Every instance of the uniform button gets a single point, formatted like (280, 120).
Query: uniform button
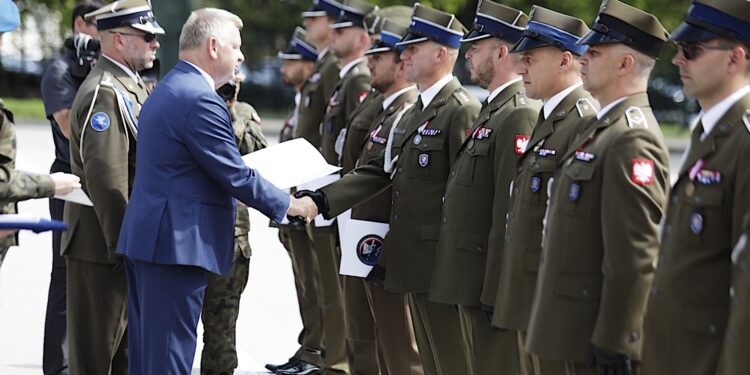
(443, 198)
(445, 219)
(520, 169)
(515, 190)
(395, 217)
(400, 170)
(634, 336)
(653, 291)
(675, 199)
(507, 238)
(712, 328)
(397, 193)
(479, 249)
(585, 292)
(698, 199)
(453, 174)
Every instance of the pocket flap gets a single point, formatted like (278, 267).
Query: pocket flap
(481, 148)
(429, 144)
(580, 171)
(471, 241)
(585, 287)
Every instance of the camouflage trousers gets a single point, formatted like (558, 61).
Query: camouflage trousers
(221, 307)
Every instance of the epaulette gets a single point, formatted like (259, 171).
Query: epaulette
(462, 96)
(746, 120)
(584, 107)
(636, 117)
(521, 99)
(106, 80)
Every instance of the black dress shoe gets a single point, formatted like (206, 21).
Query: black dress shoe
(289, 364)
(301, 368)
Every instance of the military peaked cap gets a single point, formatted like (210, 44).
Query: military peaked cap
(299, 48)
(549, 28)
(498, 21)
(320, 8)
(352, 13)
(432, 24)
(712, 19)
(134, 13)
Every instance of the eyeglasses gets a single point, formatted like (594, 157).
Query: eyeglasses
(147, 37)
(692, 51)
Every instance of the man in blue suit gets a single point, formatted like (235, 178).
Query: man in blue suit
(180, 219)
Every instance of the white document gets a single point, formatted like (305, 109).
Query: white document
(315, 185)
(361, 244)
(77, 196)
(289, 164)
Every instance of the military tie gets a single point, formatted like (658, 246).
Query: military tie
(419, 105)
(695, 139)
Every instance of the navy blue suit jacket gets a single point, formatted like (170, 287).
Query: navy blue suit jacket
(188, 168)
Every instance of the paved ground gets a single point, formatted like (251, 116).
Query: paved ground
(269, 320)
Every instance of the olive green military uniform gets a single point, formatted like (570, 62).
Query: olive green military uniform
(526, 209)
(103, 131)
(689, 304)
(221, 304)
(359, 126)
(316, 263)
(426, 143)
(15, 185)
(734, 358)
(600, 242)
(475, 205)
(394, 333)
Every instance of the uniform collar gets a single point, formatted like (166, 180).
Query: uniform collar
(500, 89)
(710, 117)
(392, 98)
(552, 103)
(130, 73)
(609, 106)
(430, 93)
(205, 75)
(349, 66)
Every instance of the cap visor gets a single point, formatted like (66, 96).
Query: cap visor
(289, 56)
(687, 32)
(473, 36)
(377, 50)
(527, 43)
(313, 13)
(151, 27)
(411, 39)
(341, 25)
(594, 37)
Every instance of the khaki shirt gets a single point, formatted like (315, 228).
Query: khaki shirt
(601, 237)
(528, 204)
(689, 303)
(427, 144)
(103, 132)
(476, 199)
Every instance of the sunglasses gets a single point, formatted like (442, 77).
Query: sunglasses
(147, 37)
(692, 51)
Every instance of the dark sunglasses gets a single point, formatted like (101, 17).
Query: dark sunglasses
(147, 37)
(692, 51)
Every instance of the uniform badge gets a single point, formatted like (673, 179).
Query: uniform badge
(369, 248)
(535, 184)
(481, 133)
(635, 116)
(585, 156)
(520, 144)
(361, 96)
(417, 139)
(424, 160)
(544, 152)
(100, 121)
(696, 169)
(430, 132)
(707, 177)
(696, 223)
(642, 171)
(574, 191)
(315, 78)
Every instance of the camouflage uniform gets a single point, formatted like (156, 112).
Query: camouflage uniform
(14, 185)
(221, 304)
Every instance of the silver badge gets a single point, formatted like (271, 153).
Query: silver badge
(424, 159)
(417, 139)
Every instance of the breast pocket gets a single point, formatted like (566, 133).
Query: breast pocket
(475, 164)
(534, 179)
(311, 89)
(425, 160)
(579, 193)
(704, 219)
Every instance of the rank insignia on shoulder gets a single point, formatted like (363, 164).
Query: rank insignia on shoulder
(544, 152)
(707, 177)
(424, 160)
(746, 120)
(636, 117)
(462, 97)
(584, 107)
(520, 144)
(361, 96)
(100, 121)
(642, 171)
(585, 156)
(315, 78)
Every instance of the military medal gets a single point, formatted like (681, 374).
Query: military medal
(417, 139)
(424, 160)
(696, 223)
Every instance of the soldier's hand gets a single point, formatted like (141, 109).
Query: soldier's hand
(304, 208)
(321, 202)
(611, 363)
(65, 183)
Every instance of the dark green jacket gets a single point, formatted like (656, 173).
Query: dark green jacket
(358, 129)
(314, 96)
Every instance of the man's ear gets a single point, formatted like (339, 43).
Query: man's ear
(627, 63)
(213, 47)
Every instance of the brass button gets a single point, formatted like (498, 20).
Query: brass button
(690, 189)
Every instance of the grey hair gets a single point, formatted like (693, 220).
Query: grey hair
(205, 23)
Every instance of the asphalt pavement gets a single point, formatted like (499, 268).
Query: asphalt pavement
(269, 318)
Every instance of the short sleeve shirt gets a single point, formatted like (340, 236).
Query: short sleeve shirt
(59, 88)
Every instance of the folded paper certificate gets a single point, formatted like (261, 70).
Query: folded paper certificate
(36, 224)
(76, 196)
(361, 244)
(290, 163)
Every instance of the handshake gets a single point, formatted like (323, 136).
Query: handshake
(306, 204)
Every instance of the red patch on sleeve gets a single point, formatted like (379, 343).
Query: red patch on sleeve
(361, 96)
(642, 171)
(520, 144)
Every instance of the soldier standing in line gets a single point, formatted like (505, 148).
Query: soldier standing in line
(476, 195)
(416, 164)
(297, 60)
(221, 301)
(58, 88)
(734, 359)
(600, 239)
(689, 302)
(15, 185)
(103, 132)
(550, 68)
(314, 96)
